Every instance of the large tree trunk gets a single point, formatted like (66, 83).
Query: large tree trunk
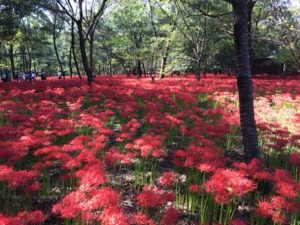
(245, 88)
(85, 62)
(12, 62)
(250, 6)
(73, 50)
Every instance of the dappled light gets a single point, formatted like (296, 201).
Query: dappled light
(146, 153)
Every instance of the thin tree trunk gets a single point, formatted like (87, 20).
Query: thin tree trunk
(23, 58)
(83, 53)
(70, 62)
(198, 69)
(244, 81)
(144, 69)
(164, 60)
(55, 48)
(12, 62)
(73, 50)
(139, 68)
(110, 68)
(29, 56)
(92, 50)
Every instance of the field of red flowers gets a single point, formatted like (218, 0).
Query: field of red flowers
(128, 151)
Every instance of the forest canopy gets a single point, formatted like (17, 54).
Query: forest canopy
(129, 35)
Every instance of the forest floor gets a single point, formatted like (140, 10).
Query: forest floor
(132, 151)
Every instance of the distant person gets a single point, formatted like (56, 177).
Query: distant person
(28, 76)
(5, 76)
(33, 75)
(59, 75)
(151, 73)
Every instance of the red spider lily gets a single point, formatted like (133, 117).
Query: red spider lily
(20, 178)
(35, 217)
(113, 157)
(277, 209)
(295, 159)
(204, 158)
(23, 218)
(194, 188)
(285, 185)
(153, 197)
(103, 198)
(167, 179)
(226, 183)
(171, 217)
(253, 169)
(91, 176)
(128, 130)
(150, 145)
(69, 207)
(12, 151)
(113, 216)
(238, 222)
(5, 172)
(5, 220)
(142, 219)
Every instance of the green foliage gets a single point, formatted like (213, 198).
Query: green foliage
(144, 31)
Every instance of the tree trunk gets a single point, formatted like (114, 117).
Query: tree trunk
(92, 50)
(110, 68)
(85, 62)
(12, 62)
(73, 50)
(29, 56)
(70, 62)
(198, 69)
(22, 50)
(55, 48)
(250, 6)
(144, 69)
(139, 69)
(244, 81)
(164, 61)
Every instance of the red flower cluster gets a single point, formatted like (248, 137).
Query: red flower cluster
(171, 217)
(154, 197)
(167, 179)
(226, 183)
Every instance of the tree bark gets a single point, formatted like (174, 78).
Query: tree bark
(70, 62)
(164, 60)
(73, 50)
(139, 69)
(12, 62)
(244, 81)
(55, 48)
(85, 62)
(92, 50)
(29, 56)
(198, 69)
(250, 6)
(22, 50)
